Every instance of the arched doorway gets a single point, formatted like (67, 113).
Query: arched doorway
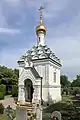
(28, 90)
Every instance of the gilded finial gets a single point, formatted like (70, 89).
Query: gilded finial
(41, 8)
(41, 27)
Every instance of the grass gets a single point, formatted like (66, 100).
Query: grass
(7, 96)
(3, 117)
(68, 98)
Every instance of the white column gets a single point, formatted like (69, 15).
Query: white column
(39, 112)
(21, 94)
(36, 94)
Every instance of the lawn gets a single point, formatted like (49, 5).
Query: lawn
(68, 98)
(3, 117)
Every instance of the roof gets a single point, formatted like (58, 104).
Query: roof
(40, 52)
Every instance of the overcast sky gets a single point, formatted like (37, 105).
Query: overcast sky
(18, 20)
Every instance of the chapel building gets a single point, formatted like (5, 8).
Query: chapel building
(39, 71)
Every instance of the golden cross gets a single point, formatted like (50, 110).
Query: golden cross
(41, 8)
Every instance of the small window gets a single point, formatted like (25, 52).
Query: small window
(54, 76)
(39, 39)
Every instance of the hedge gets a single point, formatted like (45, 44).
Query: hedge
(3, 88)
(1, 108)
(14, 91)
(2, 91)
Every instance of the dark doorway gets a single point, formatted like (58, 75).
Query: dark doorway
(28, 90)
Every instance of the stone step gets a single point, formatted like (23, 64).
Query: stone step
(30, 107)
(29, 110)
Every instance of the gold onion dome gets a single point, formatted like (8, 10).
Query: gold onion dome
(41, 27)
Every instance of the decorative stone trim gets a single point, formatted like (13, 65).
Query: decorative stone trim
(51, 86)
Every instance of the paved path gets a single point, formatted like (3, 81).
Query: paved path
(8, 101)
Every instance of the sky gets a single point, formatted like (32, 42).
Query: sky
(18, 20)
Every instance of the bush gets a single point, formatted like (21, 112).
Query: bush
(1, 96)
(2, 91)
(3, 88)
(76, 90)
(14, 91)
(1, 108)
(56, 107)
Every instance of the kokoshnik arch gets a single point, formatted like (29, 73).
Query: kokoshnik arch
(39, 71)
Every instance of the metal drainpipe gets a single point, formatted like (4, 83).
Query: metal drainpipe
(41, 90)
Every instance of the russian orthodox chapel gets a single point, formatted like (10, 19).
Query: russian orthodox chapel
(39, 71)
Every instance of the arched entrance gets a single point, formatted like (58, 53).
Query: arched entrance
(28, 90)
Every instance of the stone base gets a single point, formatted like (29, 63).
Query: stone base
(21, 113)
(39, 113)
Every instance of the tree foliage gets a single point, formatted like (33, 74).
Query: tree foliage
(76, 90)
(76, 82)
(8, 77)
(64, 81)
(1, 108)
(14, 91)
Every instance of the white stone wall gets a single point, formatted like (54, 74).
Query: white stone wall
(45, 91)
(54, 89)
(55, 94)
(24, 75)
(50, 88)
(46, 70)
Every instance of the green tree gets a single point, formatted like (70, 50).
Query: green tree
(64, 81)
(76, 90)
(8, 77)
(76, 82)
(14, 91)
(3, 89)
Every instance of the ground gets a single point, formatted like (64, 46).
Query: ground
(3, 117)
(8, 101)
(65, 106)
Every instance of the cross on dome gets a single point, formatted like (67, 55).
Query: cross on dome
(41, 8)
(41, 27)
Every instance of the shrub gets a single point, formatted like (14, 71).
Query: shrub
(76, 90)
(1, 108)
(3, 88)
(2, 91)
(14, 91)
(56, 107)
(1, 96)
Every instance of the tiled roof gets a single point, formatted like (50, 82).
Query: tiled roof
(40, 52)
